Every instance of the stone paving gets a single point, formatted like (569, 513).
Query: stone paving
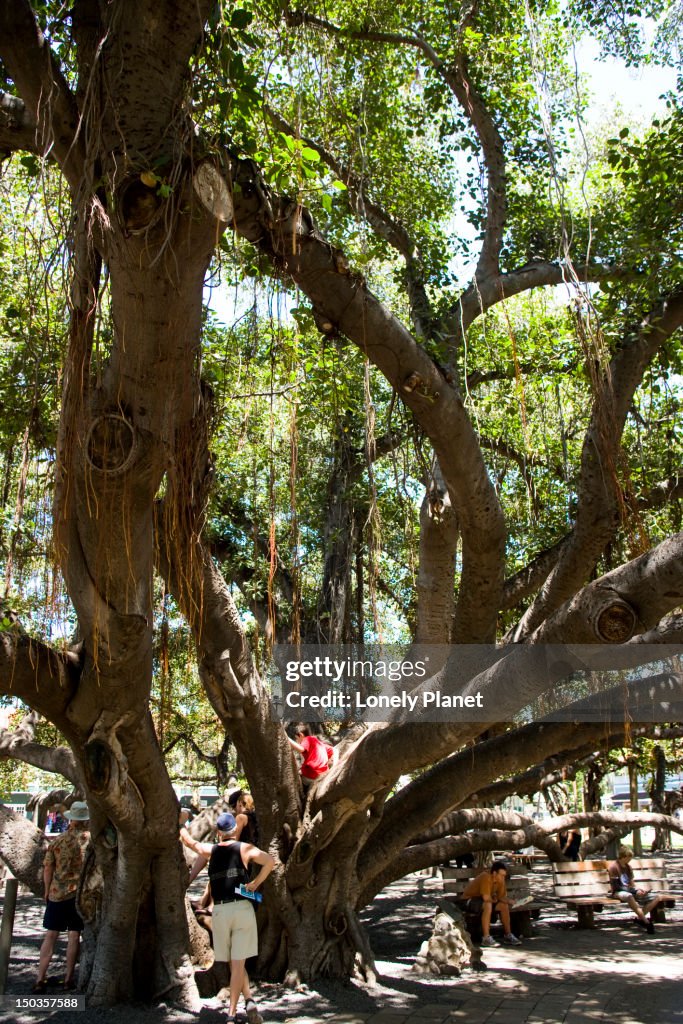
(616, 974)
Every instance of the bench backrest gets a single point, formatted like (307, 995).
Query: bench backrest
(591, 877)
(517, 884)
(581, 878)
(650, 873)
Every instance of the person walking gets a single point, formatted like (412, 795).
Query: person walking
(235, 936)
(61, 875)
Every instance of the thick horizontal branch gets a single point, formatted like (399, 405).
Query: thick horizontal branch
(494, 829)
(626, 602)
(44, 679)
(422, 803)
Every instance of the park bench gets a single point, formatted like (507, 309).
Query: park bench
(584, 886)
(455, 880)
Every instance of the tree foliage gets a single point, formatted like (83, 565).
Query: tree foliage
(440, 404)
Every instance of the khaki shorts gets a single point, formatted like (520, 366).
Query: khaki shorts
(235, 936)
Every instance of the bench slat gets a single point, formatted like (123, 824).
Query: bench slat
(580, 865)
(580, 890)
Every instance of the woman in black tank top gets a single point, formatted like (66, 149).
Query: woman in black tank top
(247, 822)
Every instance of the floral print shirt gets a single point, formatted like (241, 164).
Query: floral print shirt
(66, 854)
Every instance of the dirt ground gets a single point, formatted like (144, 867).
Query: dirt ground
(645, 972)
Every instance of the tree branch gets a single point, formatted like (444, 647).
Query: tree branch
(23, 848)
(483, 294)
(598, 512)
(626, 602)
(390, 228)
(531, 577)
(342, 300)
(504, 830)
(41, 677)
(17, 127)
(458, 80)
(660, 494)
(668, 630)
(18, 745)
(43, 88)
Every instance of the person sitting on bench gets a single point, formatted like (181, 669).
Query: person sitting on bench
(486, 893)
(623, 887)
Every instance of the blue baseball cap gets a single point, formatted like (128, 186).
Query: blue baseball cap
(226, 822)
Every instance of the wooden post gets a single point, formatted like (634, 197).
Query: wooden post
(7, 928)
(633, 797)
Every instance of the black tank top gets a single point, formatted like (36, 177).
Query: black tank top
(250, 832)
(226, 871)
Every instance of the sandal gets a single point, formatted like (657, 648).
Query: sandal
(40, 987)
(253, 1016)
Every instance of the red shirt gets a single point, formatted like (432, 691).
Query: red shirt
(316, 756)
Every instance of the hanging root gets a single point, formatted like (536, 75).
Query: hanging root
(364, 964)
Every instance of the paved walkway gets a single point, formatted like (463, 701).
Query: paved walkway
(616, 974)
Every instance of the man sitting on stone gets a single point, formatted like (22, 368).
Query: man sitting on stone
(487, 893)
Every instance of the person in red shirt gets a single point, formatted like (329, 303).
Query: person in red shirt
(316, 754)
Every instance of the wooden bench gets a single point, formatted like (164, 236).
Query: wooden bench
(517, 885)
(585, 887)
(528, 859)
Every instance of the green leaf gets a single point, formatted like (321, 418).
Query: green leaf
(31, 164)
(241, 18)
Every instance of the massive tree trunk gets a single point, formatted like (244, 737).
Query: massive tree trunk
(151, 199)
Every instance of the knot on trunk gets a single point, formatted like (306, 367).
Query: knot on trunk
(139, 204)
(99, 765)
(615, 622)
(111, 444)
(336, 923)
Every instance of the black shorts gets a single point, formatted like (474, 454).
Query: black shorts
(62, 916)
(475, 905)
